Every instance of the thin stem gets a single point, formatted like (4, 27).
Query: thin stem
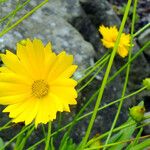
(77, 118)
(16, 10)
(94, 67)
(104, 82)
(21, 19)
(11, 18)
(92, 78)
(116, 143)
(24, 139)
(81, 111)
(5, 126)
(96, 63)
(147, 44)
(126, 78)
(141, 30)
(1, 148)
(115, 130)
(48, 136)
(114, 102)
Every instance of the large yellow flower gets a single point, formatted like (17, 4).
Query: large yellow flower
(109, 39)
(35, 83)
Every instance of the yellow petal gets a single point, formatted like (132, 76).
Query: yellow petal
(12, 99)
(12, 62)
(9, 89)
(29, 113)
(46, 112)
(62, 62)
(48, 49)
(66, 94)
(16, 109)
(14, 78)
(63, 82)
(122, 51)
(68, 72)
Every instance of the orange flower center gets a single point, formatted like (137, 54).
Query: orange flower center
(40, 88)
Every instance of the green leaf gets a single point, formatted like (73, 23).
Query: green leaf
(1, 142)
(135, 142)
(122, 135)
(67, 143)
(142, 145)
(52, 147)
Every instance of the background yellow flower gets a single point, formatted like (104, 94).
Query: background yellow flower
(35, 83)
(110, 36)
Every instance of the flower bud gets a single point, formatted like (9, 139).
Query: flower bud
(96, 143)
(137, 113)
(146, 83)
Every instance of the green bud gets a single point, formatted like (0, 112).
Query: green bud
(96, 143)
(146, 82)
(137, 113)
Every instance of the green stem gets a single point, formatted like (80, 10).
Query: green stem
(126, 78)
(21, 19)
(96, 63)
(104, 82)
(120, 142)
(77, 118)
(24, 139)
(71, 124)
(48, 136)
(5, 126)
(16, 10)
(1, 148)
(147, 44)
(115, 130)
(11, 18)
(112, 103)
(141, 30)
(92, 78)
(95, 67)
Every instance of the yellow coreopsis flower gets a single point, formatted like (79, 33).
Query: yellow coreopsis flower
(35, 83)
(110, 36)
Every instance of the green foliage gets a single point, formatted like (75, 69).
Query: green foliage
(142, 145)
(67, 143)
(135, 142)
(1, 143)
(2, 1)
(121, 11)
(146, 82)
(123, 135)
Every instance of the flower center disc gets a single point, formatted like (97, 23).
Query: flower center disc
(40, 88)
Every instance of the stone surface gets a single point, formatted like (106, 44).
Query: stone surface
(143, 38)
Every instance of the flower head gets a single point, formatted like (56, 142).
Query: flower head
(35, 83)
(110, 36)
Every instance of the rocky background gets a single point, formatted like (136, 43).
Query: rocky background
(73, 25)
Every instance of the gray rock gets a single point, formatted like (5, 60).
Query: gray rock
(55, 29)
(147, 121)
(100, 12)
(143, 38)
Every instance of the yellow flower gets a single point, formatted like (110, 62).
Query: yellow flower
(109, 39)
(35, 83)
